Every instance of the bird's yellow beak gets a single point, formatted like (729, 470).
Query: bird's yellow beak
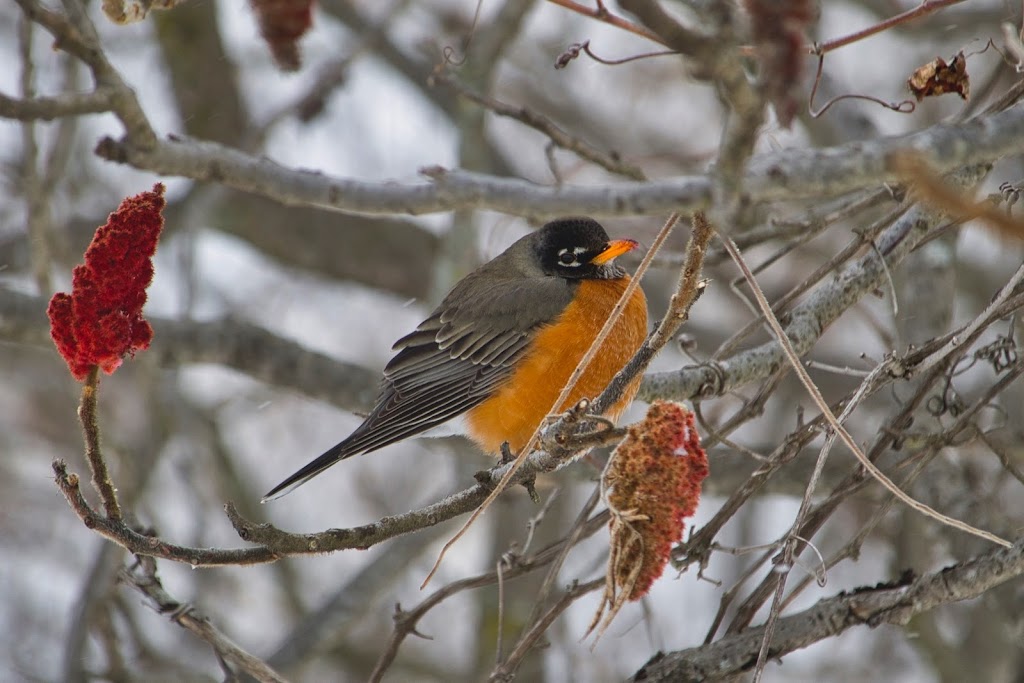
(614, 248)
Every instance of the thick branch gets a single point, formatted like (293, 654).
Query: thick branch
(788, 174)
(892, 604)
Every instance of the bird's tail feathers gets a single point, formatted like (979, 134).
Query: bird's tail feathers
(339, 452)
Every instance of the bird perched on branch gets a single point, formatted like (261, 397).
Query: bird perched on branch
(500, 347)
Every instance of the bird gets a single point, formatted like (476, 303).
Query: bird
(495, 354)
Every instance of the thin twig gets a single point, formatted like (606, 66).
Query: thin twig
(601, 13)
(924, 9)
(573, 537)
(275, 543)
(610, 161)
(573, 51)
(819, 401)
(522, 648)
(891, 436)
(118, 532)
(932, 446)
(809, 319)
(855, 246)
(142, 577)
(903, 107)
(789, 550)
(688, 289)
(982, 319)
(406, 620)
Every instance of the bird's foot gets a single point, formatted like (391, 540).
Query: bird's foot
(576, 422)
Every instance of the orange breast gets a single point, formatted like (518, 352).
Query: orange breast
(526, 397)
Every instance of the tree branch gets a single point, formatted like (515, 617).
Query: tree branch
(142, 577)
(610, 161)
(891, 604)
(601, 13)
(273, 543)
(87, 410)
(785, 175)
(75, 34)
(810, 318)
(406, 621)
(120, 533)
(50, 108)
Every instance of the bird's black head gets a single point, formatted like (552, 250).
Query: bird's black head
(579, 249)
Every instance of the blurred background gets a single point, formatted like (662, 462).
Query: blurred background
(247, 288)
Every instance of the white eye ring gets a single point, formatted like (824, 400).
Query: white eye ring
(571, 261)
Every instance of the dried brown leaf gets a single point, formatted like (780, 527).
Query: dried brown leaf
(938, 78)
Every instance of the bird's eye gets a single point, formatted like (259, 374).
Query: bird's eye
(567, 258)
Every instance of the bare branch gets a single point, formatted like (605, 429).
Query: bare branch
(810, 318)
(601, 13)
(76, 35)
(118, 532)
(784, 175)
(87, 414)
(610, 161)
(892, 604)
(407, 620)
(142, 577)
(274, 543)
(922, 10)
(50, 108)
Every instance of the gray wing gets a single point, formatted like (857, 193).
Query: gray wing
(457, 357)
(450, 363)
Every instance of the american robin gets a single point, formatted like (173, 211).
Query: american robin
(503, 343)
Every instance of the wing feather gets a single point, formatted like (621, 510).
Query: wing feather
(453, 360)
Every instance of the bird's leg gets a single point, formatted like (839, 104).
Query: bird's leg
(508, 456)
(577, 422)
(578, 413)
